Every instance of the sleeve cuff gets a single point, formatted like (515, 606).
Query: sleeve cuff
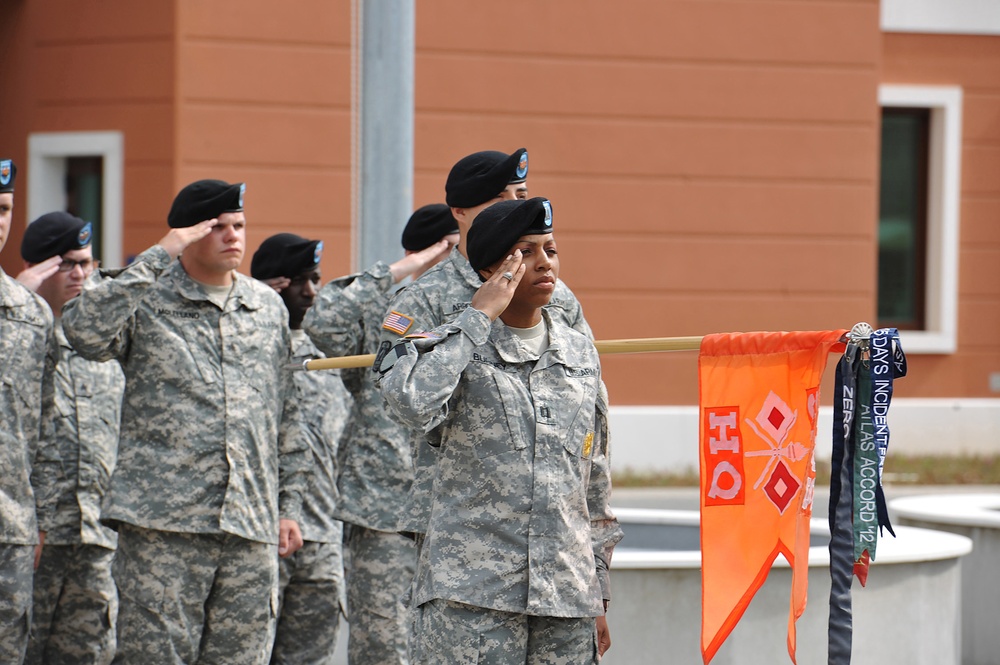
(46, 521)
(156, 257)
(382, 275)
(475, 324)
(290, 508)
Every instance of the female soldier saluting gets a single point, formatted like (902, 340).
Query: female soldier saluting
(514, 568)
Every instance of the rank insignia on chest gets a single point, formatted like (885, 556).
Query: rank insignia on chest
(588, 444)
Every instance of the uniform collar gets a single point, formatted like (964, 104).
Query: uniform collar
(243, 293)
(61, 335)
(303, 347)
(511, 350)
(461, 265)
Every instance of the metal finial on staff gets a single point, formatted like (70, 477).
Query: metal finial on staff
(860, 333)
(858, 338)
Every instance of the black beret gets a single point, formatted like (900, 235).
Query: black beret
(54, 234)
(205, 199)
(476, 179)
(285, 255)
(497, 228)
(427, 225)
(8, 173)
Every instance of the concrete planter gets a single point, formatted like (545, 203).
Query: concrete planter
(910, 612)
(977, 517)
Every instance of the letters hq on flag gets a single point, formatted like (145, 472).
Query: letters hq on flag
(759, 400)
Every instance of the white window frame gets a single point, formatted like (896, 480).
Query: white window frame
(943, 205)
(47, 153)
(946, 17)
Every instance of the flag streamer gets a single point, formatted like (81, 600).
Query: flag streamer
(858, 510)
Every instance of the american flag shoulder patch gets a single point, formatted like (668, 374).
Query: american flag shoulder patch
(397, 323)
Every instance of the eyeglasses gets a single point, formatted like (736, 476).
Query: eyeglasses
(86, 265)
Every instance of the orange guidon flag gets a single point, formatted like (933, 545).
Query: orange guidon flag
(759, 399)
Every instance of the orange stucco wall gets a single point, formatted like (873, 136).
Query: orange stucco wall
(263, 96)
(94, 66)
(713, 164)
(231, 90)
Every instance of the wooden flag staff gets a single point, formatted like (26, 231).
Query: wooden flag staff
(642, 345)
(859, 332)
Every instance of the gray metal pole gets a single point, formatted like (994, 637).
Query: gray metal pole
(385, 199)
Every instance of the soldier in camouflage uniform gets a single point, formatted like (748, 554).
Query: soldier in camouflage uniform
(514, 565)
(27, 363)
(211, 457)
(311, 581)
(75, 600)
(474, 183)
(376, 468)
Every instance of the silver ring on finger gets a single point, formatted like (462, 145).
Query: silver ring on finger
(509, 276)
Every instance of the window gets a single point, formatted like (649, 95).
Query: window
(919, 215)
(81, 173)
(902, 225)
(84, 181)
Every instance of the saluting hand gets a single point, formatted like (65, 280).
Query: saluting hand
(418, 261)
(495, 294)
(32, 277)
(278, 283)
(178, 240)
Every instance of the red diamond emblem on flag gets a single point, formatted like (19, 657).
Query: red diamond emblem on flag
(776, 417)
(782, 486)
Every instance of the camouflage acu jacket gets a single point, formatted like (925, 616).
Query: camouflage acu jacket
(210, 425)
(376, 467)
(78, 449)
(27, 362)
(326, 407)
(440, 295)
(520, 520)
